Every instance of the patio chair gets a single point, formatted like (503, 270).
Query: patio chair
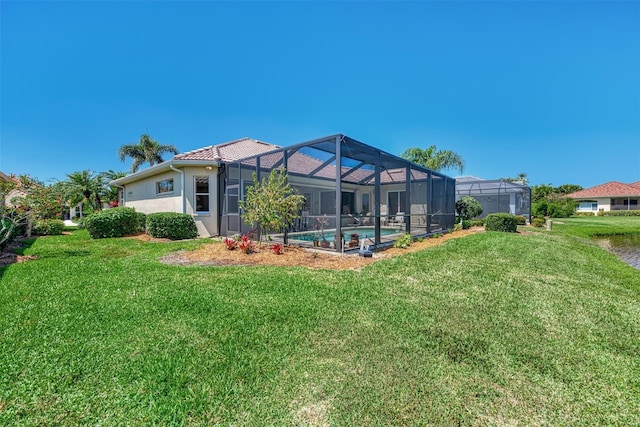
(398, 220)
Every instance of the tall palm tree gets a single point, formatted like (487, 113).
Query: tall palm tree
(85, 187)
(434, 159)
(147, 150)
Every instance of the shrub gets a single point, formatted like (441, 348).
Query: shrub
(502, 222)
(466, 224)
(403, 242)
(171, 225)
(584, 214)
(246, 244)
(619, 213)
(277, 249)
(521, 220)
(116, 222)
(538, 222)
(141, 222)
(477, 222)
(230, 243)
(457, 226)
(48, 227)
(468, 207)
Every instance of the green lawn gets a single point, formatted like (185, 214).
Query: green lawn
(540, 328)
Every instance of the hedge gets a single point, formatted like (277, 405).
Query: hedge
(171, 225)
(48, 227)
(114, 222)
(141, 222)
(619, 213)
(501, 222)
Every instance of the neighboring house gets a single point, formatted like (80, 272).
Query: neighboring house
(497, 195)
(611, 196)
(345, 184)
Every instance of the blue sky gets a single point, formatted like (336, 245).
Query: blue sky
(551, 89)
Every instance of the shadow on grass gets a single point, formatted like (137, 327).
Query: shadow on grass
(14, 253)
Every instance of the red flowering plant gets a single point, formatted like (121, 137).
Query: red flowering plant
(230, 243)
(277, 249)
(246, 244)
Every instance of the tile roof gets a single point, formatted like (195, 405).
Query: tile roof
(609, 189)
(228, 151)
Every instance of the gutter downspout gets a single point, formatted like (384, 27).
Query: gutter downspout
(181, 172)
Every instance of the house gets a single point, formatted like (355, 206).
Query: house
(610, 196)
(497, 195)
(348, 186)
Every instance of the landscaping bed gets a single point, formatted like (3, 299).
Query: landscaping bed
(217, 254)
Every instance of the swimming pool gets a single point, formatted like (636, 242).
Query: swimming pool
(363, 232)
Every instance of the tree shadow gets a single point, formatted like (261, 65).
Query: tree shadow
(14, 253)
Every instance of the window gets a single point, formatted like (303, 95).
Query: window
(202, 193)
(366, 207)
(164, 186)
(397, 201)
(328, 202)
(348, 203)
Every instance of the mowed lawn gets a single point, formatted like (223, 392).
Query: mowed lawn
(535, 328)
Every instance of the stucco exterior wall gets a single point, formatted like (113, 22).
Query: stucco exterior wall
(207, 223)
(143, 196)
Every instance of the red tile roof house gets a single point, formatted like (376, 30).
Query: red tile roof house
(611, 196)
(341, 179)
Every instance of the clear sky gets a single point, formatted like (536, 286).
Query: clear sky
(551, 89)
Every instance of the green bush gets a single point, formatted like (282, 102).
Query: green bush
(48, 227)
(477, 222)
(403, 242)
(171, 225)
(115, 222)
(466, 224)
(141, 222)
(619, 213)
(538, 222)
(468, 207)
(521, 220)
(584, 214)
(559, 208)
(501, 222)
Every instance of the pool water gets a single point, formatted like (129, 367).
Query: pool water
(363, 232)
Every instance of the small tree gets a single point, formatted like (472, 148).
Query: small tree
(468, 208)
(271, 203)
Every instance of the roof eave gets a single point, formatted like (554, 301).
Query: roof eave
(161, 167)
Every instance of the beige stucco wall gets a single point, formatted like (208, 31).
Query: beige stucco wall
(207, 223)
(142, 196)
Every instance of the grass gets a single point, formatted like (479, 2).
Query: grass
(491, 329)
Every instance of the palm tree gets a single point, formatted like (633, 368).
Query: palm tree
(147, 150)
(433, 158)
(85, 187)
(111, 193)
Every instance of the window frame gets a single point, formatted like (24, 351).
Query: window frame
(196, 193)
(159, 186)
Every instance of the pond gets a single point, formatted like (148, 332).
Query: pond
(625, 247)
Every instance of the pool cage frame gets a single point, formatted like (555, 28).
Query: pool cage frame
(497, 195)
(350, 188)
